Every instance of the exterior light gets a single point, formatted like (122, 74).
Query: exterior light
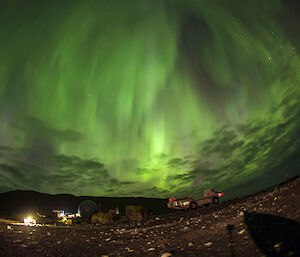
(29, 221)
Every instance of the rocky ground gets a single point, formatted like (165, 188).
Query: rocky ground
(265, 224)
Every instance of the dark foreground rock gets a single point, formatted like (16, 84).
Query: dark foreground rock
(266, 224)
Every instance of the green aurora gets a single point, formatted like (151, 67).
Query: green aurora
(148, 97)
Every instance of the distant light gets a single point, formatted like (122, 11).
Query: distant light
(269, 58)
(29, 221)
(90, 95)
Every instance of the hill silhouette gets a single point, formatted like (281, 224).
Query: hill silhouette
(16, 204)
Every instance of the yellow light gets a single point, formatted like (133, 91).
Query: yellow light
(29, 221)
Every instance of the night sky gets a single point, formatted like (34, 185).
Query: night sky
(148, 97)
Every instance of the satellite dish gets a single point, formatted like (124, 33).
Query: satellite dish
(87, 208)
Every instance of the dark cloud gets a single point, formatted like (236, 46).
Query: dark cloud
(11, 170)
(176, 162)
(22, 176)
(140, 171)
(5, 151)
(64, 174)
(252, 151)
(224, 142)
(42, 141)
(237, 159)
(36, 128)
(151, 192)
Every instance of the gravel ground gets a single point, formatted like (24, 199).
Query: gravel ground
(265, 224)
